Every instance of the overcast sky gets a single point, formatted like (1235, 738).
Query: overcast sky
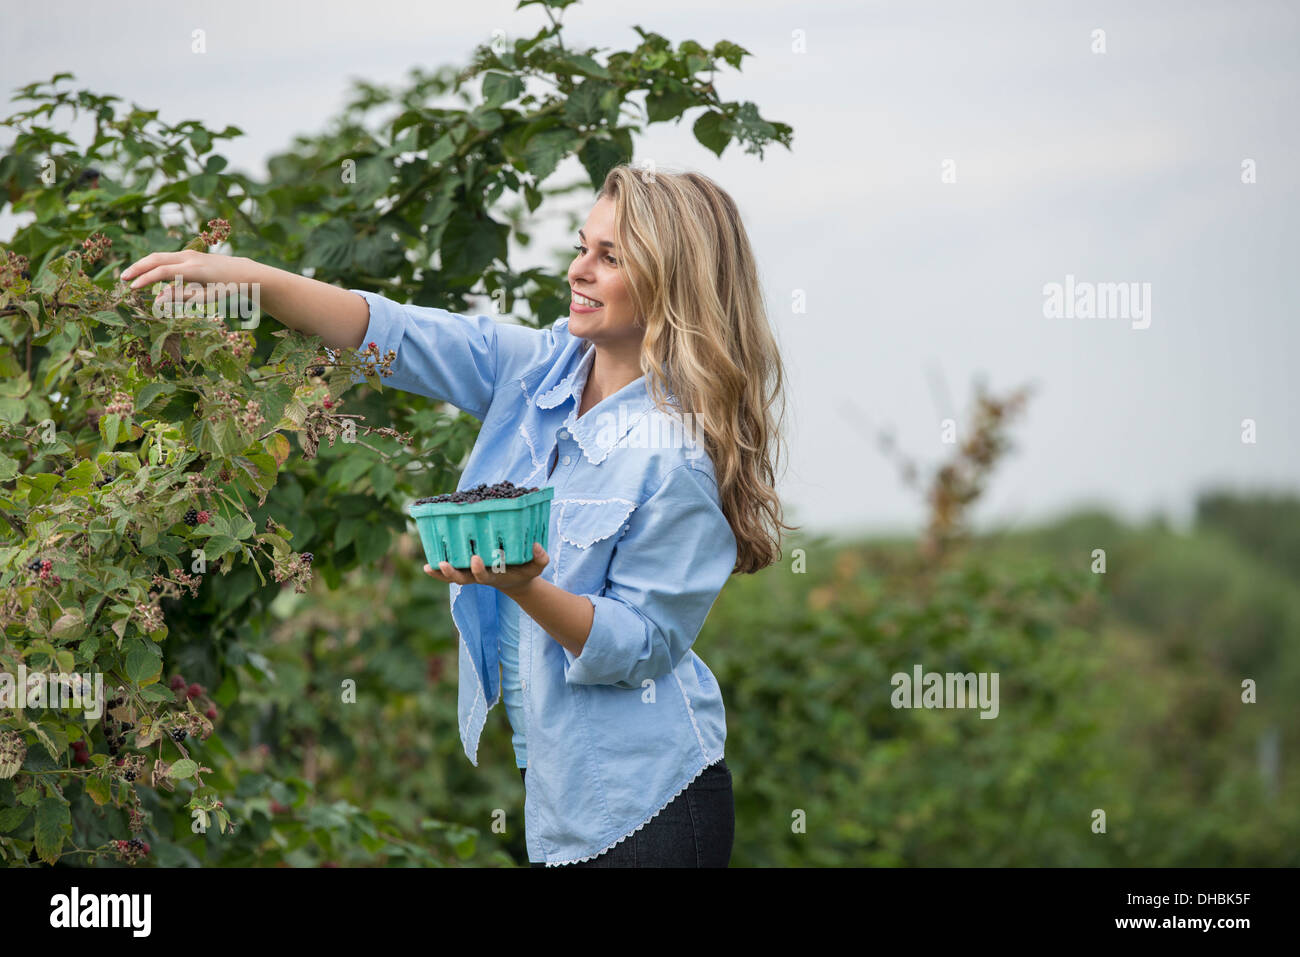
(949, 161)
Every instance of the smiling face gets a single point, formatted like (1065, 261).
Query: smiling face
(597, 273)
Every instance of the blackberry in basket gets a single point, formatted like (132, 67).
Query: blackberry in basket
(496, 522)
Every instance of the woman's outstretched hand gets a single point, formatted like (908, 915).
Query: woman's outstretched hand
(511, 579)
(194, 269)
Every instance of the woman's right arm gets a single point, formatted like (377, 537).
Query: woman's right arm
(312, 307)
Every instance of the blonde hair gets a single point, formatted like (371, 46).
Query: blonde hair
(691, 275)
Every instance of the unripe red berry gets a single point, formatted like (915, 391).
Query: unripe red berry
(212, 712)
(177, 683)
(194, 690)
(81, 757)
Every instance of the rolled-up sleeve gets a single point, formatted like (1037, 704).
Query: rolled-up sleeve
(666, 572)
(444, 355)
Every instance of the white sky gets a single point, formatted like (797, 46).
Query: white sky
(1115, 167)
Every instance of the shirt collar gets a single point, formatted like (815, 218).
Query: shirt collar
(606, 423)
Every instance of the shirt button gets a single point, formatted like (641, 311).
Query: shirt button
(523, 685)
(565, 460)
(563, 434)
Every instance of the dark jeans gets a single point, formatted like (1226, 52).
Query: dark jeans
(695, 830)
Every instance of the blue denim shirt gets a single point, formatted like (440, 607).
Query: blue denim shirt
(615, 733)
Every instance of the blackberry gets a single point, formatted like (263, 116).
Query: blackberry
(308, 557)
(479, 493)
(192, 517)
(317, 370)
(178, 734)
(34, 565)
(130, 775)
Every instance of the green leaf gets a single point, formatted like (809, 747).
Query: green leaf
(383, 477)
(108, 318)
(666, 105)
(346, 531)
(53, 824)
(545, 150)
(56, 742)
(348, 469)
(143, 666)
(500, 88)
(585, 64)
(598, 157)
(183, 768)
(218, 545)
(372, 543)
(151, 392)
(13, 410)
(98, 789)
(330, 247)
(71, 624)
(12, 817)
(709, 130)
(108, 428)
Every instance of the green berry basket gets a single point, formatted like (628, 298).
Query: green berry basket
(454, 532)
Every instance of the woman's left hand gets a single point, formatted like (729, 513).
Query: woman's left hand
(510, 579)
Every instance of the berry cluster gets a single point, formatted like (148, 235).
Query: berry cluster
(96, 247)
(374, 363)
(115, 730)
(240, 344)
(44, 569)
(316, 370)
(150, 616)
(137, 350)
(219, 234)
(221, 405)
(191, 692)
(12, 268)
(296, 567)
(197, 517)
(80, 754)
(172, 589)
(13, 752)
(123, 404)
(130, 851)
(201, 484)
(479, 493)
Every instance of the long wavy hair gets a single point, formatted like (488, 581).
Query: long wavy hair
(691, 274)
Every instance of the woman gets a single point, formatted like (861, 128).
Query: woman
(649, 410)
